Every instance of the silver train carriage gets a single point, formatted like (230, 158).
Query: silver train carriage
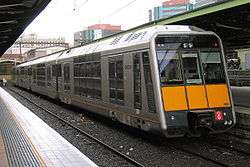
(170, 79)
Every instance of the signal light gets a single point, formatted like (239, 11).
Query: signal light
(218, 115)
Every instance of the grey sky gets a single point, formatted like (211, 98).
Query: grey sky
(64, 17)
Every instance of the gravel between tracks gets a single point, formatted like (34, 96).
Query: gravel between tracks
(138, 145)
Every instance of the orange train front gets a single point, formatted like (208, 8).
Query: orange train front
(194, 88)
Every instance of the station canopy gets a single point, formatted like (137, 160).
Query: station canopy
(15, 16)
(230, 19)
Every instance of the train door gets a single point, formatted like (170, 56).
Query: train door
(195, 88)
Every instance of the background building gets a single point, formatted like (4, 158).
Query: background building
(40, 52)
(95, 32)
(244, 57)
(32, 41)
(170, 8)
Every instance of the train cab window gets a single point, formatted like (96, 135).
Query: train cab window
(201, 59)
(191, 68)
(212, 67)
(170, 67)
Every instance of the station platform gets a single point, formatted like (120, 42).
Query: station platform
(27, 141)
(243, 116)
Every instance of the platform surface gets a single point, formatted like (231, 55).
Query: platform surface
(242, 110)
(25, 140)
(243, 116)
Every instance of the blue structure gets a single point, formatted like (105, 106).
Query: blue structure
(167, 11)
(163, 11)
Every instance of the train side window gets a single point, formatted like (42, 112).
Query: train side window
(59, 70)
(66, 76)
(87, 76)
(111, 69)
(54, 70)
(34, 75)
(48, 71)
(137, 80)
(29, 71)
(41, 71)
(66, 71)
(148, 82)
(116, 85)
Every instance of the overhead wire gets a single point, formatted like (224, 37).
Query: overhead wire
(118, 10)
(77, 7)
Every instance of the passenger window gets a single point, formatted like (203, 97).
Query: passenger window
(137, 80)
(54, 70)
(148, 82)
(116, 87)
(48, 75)
(41, 71)
(87, 76)
(59, 70)
(66, 73)
(29, 71)
(34, 75)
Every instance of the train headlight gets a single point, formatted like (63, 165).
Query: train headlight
(190, 45)
(185, 45)
(218, 116)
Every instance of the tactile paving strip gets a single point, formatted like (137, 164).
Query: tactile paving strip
(18, 148)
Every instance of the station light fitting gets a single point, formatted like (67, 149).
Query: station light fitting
(8, 22)
(28, 4)
(4, 37)
(4, 31)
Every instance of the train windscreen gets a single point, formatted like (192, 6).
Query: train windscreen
(190, 60)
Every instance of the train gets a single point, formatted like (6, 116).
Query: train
(170, 79)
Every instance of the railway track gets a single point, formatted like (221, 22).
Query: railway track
(240, 133)
(129, 160)
(232, 144)
(133, 162)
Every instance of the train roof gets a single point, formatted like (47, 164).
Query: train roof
(116, 42)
